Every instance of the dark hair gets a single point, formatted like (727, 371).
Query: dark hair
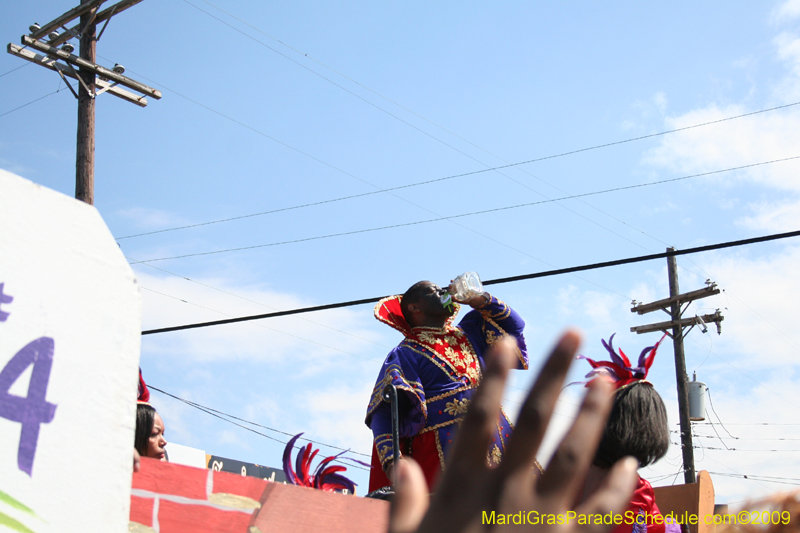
(411, 296)
(145, 419)
(637, 426)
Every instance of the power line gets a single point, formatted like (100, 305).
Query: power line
(308, 57)
(240, 297)
(221, 415)
(14, 69)
(32, 101)
(534, 275)
(395, 116)
(435, 180)
(748, 424)
(741, 438)
(263, 326)
(348, 174)
(757, 477)
(473, 213)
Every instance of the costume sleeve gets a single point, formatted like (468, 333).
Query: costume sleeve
(400, 370)
(492, 320)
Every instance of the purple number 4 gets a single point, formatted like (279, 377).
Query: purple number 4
(32, 410)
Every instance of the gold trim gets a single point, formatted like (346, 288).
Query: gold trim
(510, 423)
(439, 449)
(450, 393)
(441, 425)
(500, 434)
(414, 387)
(435, 361)
(380, 304)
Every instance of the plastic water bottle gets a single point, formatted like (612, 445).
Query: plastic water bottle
(467, 286)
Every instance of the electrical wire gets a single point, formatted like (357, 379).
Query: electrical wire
(473, 213)
(359, 179)
(426, 182)
(782, 439)
(307, 57)
(398, 118)
(750, 424)
(239, 296)
(767, 479)
(718, 418)
(263, 326)
(32, 102)
(14, 69)
(534, 275)
(221, 416)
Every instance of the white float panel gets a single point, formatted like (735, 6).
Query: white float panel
(70, 322)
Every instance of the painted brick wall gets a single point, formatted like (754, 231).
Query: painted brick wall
(170, 498)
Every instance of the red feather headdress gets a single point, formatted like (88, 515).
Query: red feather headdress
(619, 370)
(325, 477)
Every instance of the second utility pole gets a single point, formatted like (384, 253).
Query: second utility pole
(680, 372)
(673, 306)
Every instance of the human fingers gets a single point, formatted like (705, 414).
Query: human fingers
(613, 495)
(534, 415)
(568, 466)
(479, 423)
(463, 488)
(410, 500)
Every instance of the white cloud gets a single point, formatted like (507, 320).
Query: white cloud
(174, 301)
(751, 369)
(773, 217)
(767, 283)
(338, 412)
(755, 139)
(786, 12)
(647, 109)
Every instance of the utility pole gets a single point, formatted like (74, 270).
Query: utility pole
(84, 155)
(674, 307)
(93, 80)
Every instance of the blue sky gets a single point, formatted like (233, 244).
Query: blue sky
(268, 106)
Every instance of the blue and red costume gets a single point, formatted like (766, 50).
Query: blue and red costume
(436, 372)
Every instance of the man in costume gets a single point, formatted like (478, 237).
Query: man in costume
(436, 369)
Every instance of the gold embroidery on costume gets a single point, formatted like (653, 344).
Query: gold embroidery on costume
(494, 456)
(448, 394)
(394, 372)
(443, 424)
(439, 450)
(383, 447)
(457, 407)
(447, 347)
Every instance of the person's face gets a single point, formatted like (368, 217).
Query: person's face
(157, 442)
(430, 302)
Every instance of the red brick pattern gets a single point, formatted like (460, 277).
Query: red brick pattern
(181, 518)
(172, 498)
(142, 510)
(250, 487)
(166, 478)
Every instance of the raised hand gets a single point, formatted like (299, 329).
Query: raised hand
(471, 496)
